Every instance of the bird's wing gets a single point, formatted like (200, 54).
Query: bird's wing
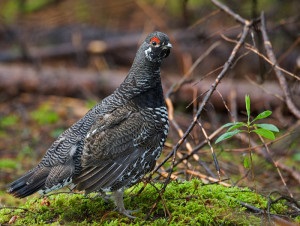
(61, 161)
(114, 144)
(110, 136)
(70, 143)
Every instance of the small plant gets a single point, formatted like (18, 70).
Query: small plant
(8, 121)
(6, 163)
(44, 115)
(262, 129)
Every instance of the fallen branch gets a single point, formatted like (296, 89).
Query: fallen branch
(15, 80)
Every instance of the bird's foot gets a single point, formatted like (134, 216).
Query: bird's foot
(118, 199)
(127, 213)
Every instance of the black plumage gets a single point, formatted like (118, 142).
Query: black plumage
(117, 142)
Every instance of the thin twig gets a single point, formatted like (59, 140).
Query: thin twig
(256, 51)
(199, 146)
(281, 79)
(226, 67)
(177, 128)
(252, 208)
(204, 18)
(264, 89)
(205, 177)
(259, 145)
(275, 165)
(227, 10)
(211, 149)
(169, 103)
(267, 157)
(187, 75)
(160, 197)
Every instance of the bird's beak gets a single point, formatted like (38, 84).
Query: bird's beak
(166, 49)
(168, 46)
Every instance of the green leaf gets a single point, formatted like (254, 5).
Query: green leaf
(262, 115)
(265, 133)
(236, 125)
(267, 126)
(227, 135)
(246, 162)
(247, 102)
(228, 124)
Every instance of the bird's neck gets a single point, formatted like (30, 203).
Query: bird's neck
(143, 81)
(143, 76)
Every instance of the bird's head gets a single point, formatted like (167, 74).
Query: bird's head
(156, 46)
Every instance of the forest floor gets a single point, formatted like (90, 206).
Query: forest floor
(60, 58)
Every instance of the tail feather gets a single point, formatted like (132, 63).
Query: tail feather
(25, 186)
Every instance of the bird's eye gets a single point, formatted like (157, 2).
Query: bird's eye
(155, 41)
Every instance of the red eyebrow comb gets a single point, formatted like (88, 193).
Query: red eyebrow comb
(155, 39)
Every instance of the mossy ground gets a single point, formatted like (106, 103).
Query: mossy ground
(186, 203)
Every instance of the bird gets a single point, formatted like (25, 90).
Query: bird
(116, 142)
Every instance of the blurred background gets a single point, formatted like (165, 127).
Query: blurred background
(58, 58)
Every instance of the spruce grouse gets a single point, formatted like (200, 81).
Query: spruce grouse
(117, 142)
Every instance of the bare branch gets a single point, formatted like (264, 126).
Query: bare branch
(256, 51)
(206, 98)
(281, 79)
(213, 86)
(227, 10)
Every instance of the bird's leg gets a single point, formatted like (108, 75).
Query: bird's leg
(118, 199)
(104, 196)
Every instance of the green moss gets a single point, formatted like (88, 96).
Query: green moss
(297, 219)
(182, 203)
